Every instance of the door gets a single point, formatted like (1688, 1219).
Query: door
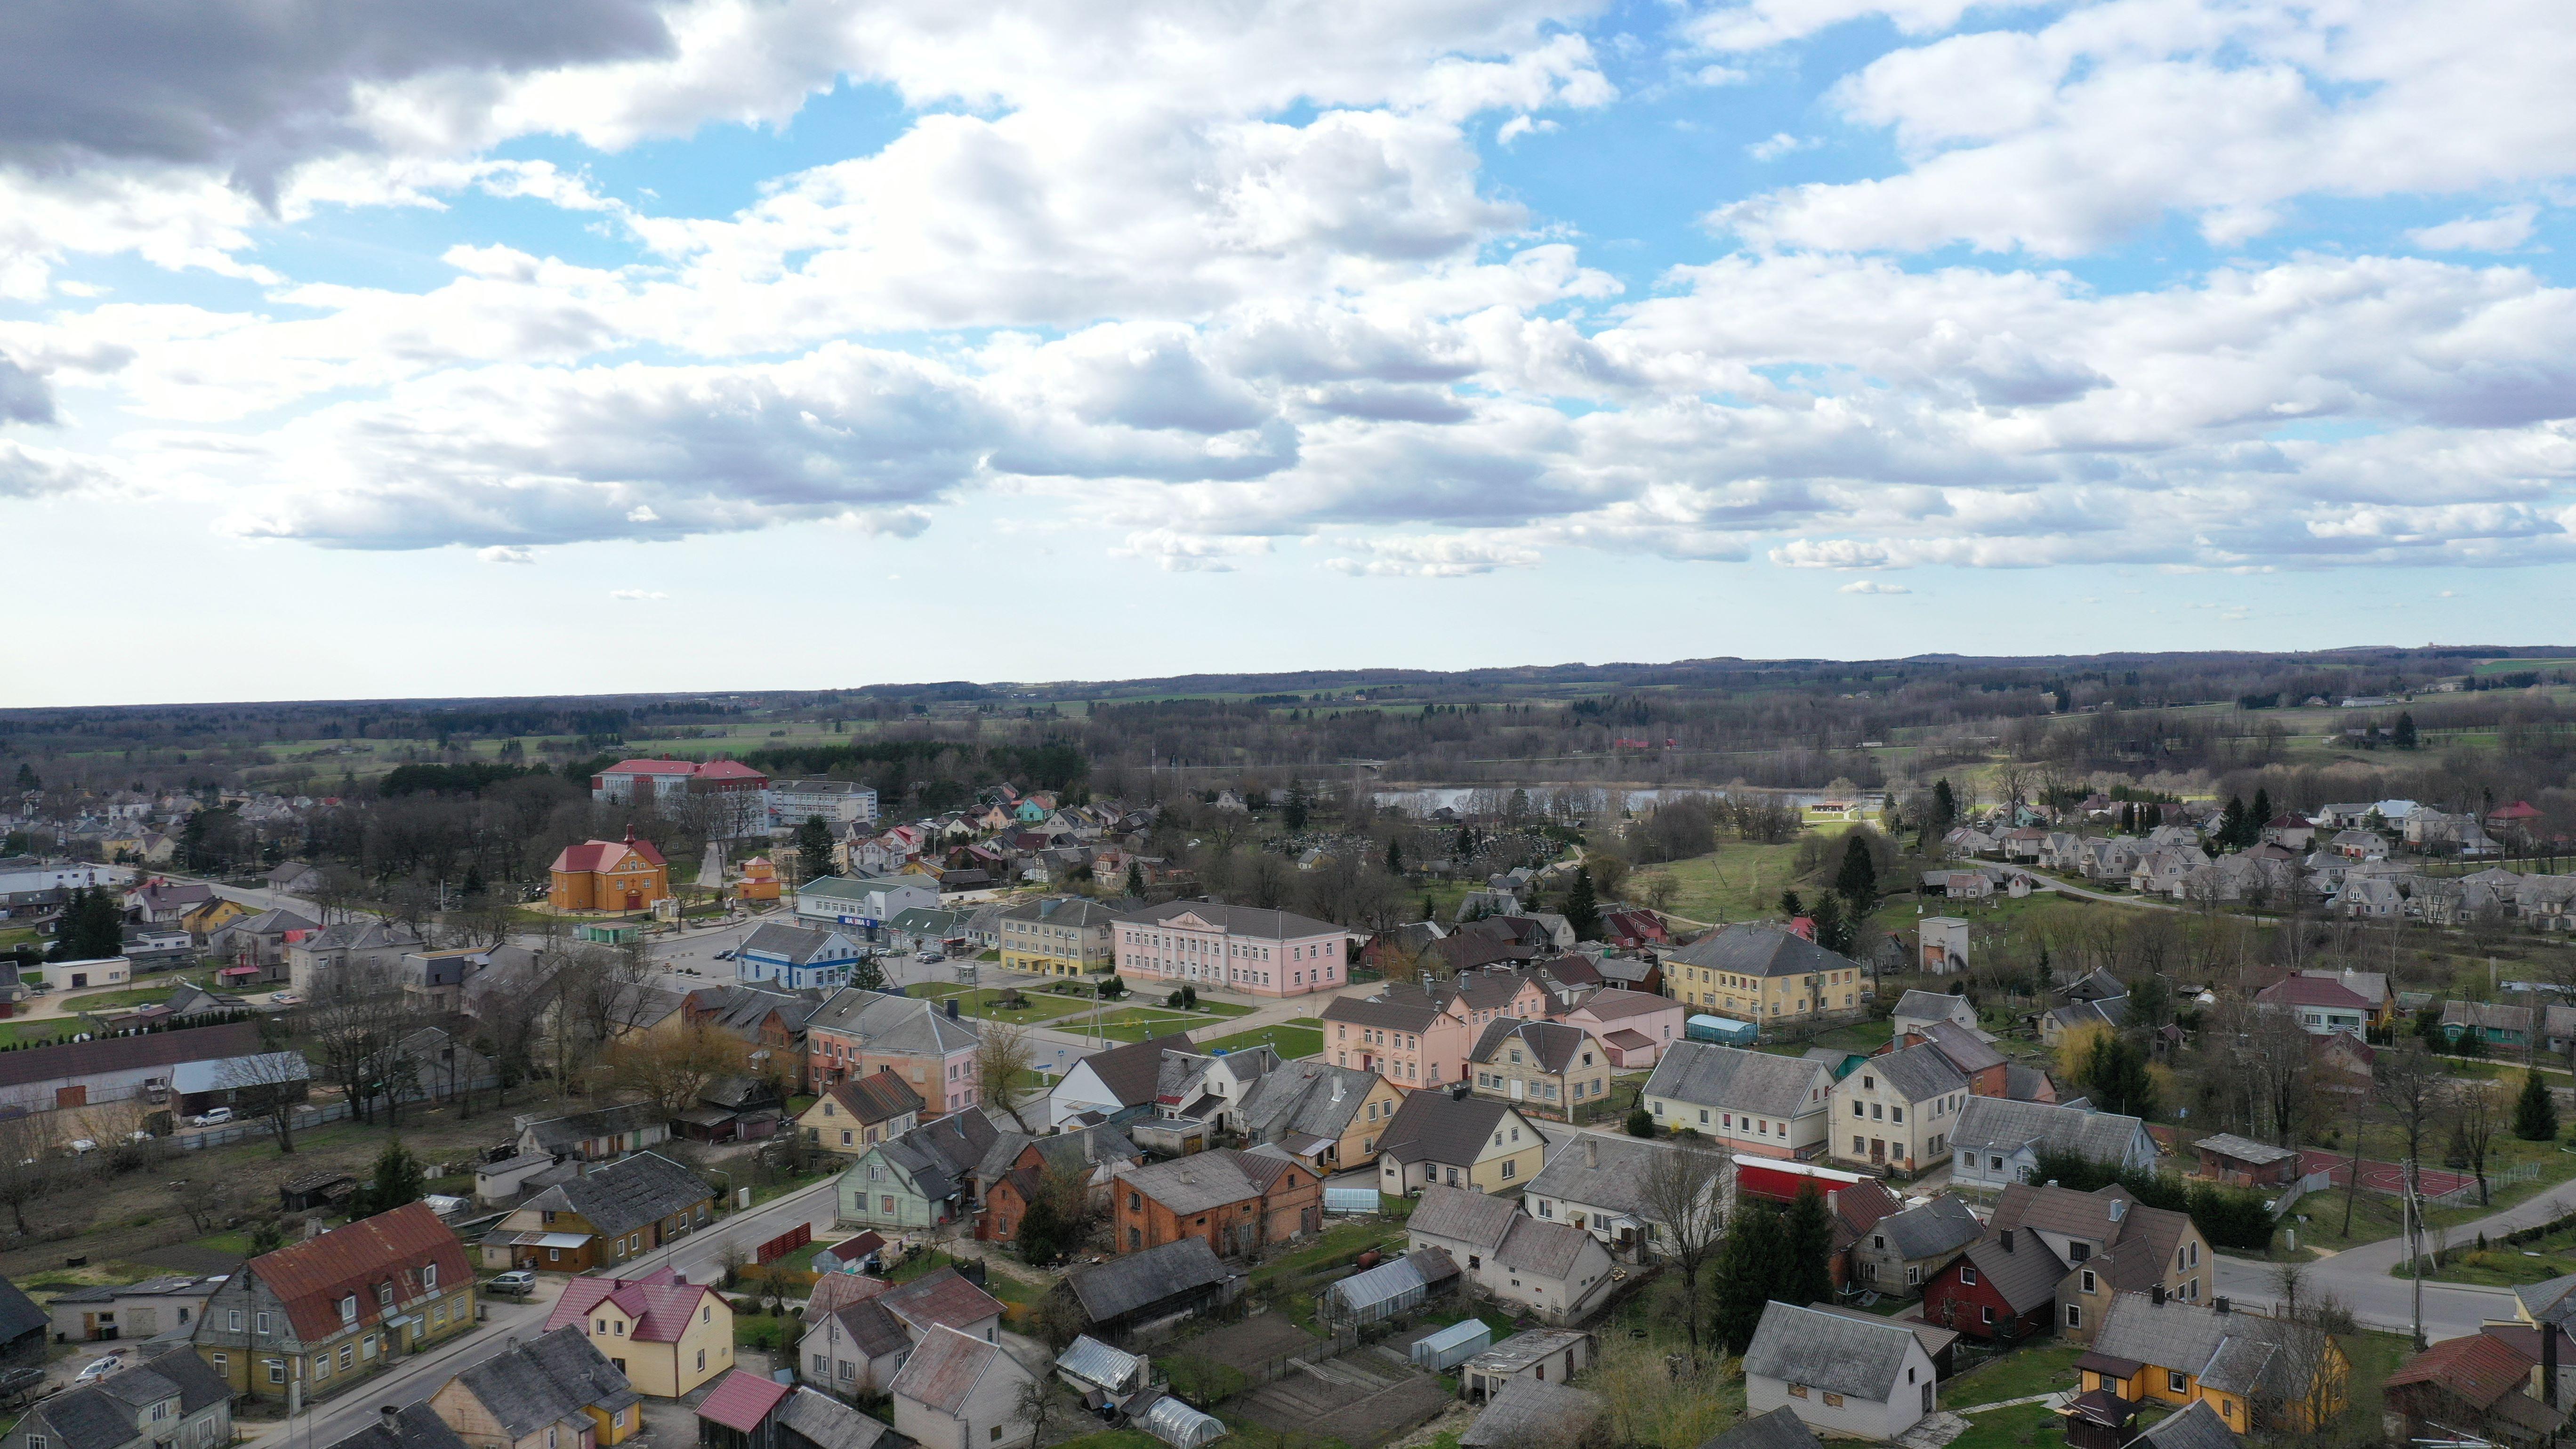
(1878, 1149)
(75, 1096)
(1520, 1089)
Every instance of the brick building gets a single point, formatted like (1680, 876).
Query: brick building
(1236, 1201)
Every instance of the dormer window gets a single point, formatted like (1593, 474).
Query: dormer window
(349, 1309)
(385, 1294)
(429, 1278)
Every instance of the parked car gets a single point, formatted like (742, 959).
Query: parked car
(724, 955)
(98, 1369)
(518, 1283)
(286, 998)
(83, 1146)
(215, 1118)
(927, 958)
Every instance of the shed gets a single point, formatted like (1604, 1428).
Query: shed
(1453, 1345)
(1176, 1423)
(1099, 1372)
(1351, 1200)
(1722, 1030)
(313, 1190)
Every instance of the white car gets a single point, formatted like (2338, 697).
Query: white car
(83, 1146)
(286, 998)
(99, 1369)
(215, 1118)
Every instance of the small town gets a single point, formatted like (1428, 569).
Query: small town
(1998, 1104)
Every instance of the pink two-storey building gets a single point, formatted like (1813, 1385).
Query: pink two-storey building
(857, 1033)
(1230, 948)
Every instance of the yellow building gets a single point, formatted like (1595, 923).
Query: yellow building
(2155, 1349)
(324, 1314)
(1457, 1142)
(1058, 936)
(515, 1399)
(666, 1335)
(1763, 974)
(608, 875)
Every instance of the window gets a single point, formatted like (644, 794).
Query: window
(322, 1368)
(705, 1315)
(1797, 1391)
(1914, 1274)
(349, 1308)
(702, 1360)
(2088, 1280)
(1989, 1312)
(1511, 1170)
(385, 1294)
(223, 1362)
(1879, 1241)
(235, 1322)
(996, 1434)
(1967, 1275)
(1833, 1401)
(348, 1355)
(2176, 1381)
(429, 1278)
(277, 1371)
(263, 1323)
(2074, 1315)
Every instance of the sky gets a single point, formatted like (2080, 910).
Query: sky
(356, 348)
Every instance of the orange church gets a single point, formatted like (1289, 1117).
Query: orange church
(609, 875)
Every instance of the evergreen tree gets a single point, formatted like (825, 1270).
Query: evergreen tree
(1945, 806)
(1790, 905)
(1641, 1123)
(1394, 856)
(814, 848)
(2115, 1074)
(93, 926)
(27, 777)
(1858, 879)
(1135, 879)
(1465, 845)
(1748, 1273)
(1427, 907)
(399, 1178)
(1293, 813)
(866, 975)
(1044, 1234)
(2231, 823)
(1835, 931)
(2535, 1113)
(2404, 735)
(2262, 812)
(1807, 1233)
(1582, 907)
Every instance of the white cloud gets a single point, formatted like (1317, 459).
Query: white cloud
(1873, 586)
(505, 554)
(1184, 553)
(1428, 558)
(637, 594)
(2498, 231)
(1780, 144)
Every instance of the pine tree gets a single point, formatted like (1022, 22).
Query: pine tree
(93, 926)
(1790, 905)
(814, 848)
(1808, 1249)
(2404, 735)
(2231, 824)
(1945, 806)
(2262, 811)
(1835, 931)
(1748, 1273)
(1135, 880)
(1858, 878)
(1394, 856)
(2535, 1113)
(1293, 813)
(27, 777)
(866, 975)
(1582, 907)
(399, 1178)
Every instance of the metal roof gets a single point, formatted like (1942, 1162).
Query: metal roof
(1179, 1425)
(1094, 1362)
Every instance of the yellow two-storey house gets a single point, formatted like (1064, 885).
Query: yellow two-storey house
(1764, 974)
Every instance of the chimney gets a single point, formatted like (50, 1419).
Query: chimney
(952, 1008)
(1591, 1150)
(2219, 1303)
(391, 1418)
(2008, 1240)
(2156, 1295)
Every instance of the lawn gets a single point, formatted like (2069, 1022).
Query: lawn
(2043, 1369)
(2374, 1357)
(1740, 880)
(2319, 1216)
(1136, 1023)
(132, 996)
(1113, 1439)
(979, 1002)
(2028, 1426)
(1337, 1243)
(1303, 1037)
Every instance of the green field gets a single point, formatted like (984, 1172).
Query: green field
(2039, 1370)
(1303, 1037)
(1137, 1023)
(981, 1003)
(1738, 881)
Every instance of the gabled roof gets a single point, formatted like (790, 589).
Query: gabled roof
(796, 944)
(875, 1331)
(1920, 1072)
(893, 1024)
(626, 1194)
(944, 1369)
(1967, 1051)
(68, 1060)
(2196, 1426)
(1779, 1429)
(1828, 1352)
(547, 1381)
(2477, 1368)
(2234, 1353)
(743, 1400)
(1436, 1127)
(827, 1423)
(1943, 1225)
(659, 1304)
(1135, 1280)
(1996, 1124)
(2243, 1149)
(1930, 1005)
(1530, 1411)
(557, 1134)
(880, 1096)
(1707, 1075)
(417, 1427)
(1301, 1097)
(1237, 920)
(18, 1313)
(311, 1277)
(1544, 1249)
(1550, 1045)
(1463, 1215)
(937, 1298)
(2025, 1276)
(1192, 1184)
(1601, 1172)
(2312, 991)
(1396, 1011)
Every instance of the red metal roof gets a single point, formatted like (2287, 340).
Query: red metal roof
(2312, 991)
(743, 1400)
(311, 1277)
(728, 770)
(2476, 1367)
(660, 1303)
(652, 767)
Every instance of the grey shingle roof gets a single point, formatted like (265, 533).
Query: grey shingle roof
(1395, 1011)
(1920, 1072)
(1463, 1215)
(1192, 1184)
(2236, 1353)
(1544, 1249)
(1237, 920)
(1551, 1045)
(1759, 951)
(1134, 1280)
(1966, 1050)
(18, 1312)
(2026, 1277)
(1779, 1429)
(85, 1419)
(885, 1023)
(1996, 1124)
(1526, 1412)
(627, 1194)
(795, 943)
(827, 1423)
(1826, 1351)
(559, 1134)
(1707, 1075)
(2197, 1426)
(1617, 1183)
(1131, 1071)
(1436, 1127)
(1931, 1005)
(546, 1381)
(1940, 1226)
(1299, 1097)
(417, 1427)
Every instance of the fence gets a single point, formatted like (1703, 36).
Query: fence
(306, 1118)
(2467, 1192)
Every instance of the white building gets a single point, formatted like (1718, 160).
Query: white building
(1998, 1141)
(1845, 1376)
(957, 1392)
(839, 802)
(867, 902)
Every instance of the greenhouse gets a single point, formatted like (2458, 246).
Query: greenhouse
(1389, 1288)
(1179, 1425)
(1452, 1346)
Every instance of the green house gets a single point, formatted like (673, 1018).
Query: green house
(926, 1177)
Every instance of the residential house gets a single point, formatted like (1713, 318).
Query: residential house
(252, 950)
(770, 1023)
(854, 1350)
(1208, 1087)
(1467, 1142)
(1897, 1110)
(1183, 1276)
(925, 1177)
(1631, 929)
(1060, 936)
(1764, 974)
(1243, 948)
(600, 1135)
(1988, 1073)
(1998, 1141)
(1095, 1154)
(1633, 1025)
(1770, 1106)
(837, 802)
(147, 1309)
(2368, 897)
(1599, 1184)
(848, 1117)
(2260, 1373)
(1918, 1009)
(1779, 1429)
(1556, 1272)
(666, 1334)
(313, 1318)
(2498, 1027)
(2111, 1246)
(2000, 1288)
(960, 1391)
(1856, 1207)
(612, 1214)
(796, 958)
(294, 878)
(2319, 1004)
(1844, 1376)
(1240, 1202)
(1546, 1068)
(1327, 1117)
(943, 1298)
(732, 1109)
(2107, 1014)
(858, 1033)
(171, 1400)
(608, 875)
(355, 951)
(1115, 1086)
(750, 1412)
(161, 902)
(867, 902)
(539, 1394)
(1414, 1041)
(1904, 1250)
(732, 797)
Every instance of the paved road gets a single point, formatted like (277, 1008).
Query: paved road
(416, 1379)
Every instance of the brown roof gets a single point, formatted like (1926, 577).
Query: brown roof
(1436, 1127)
(1130, 1072)
(311, 1277)
(2476, 1368)
(944, 1369)
(941, 1297)
(879, 1097)
(128, 1053)
(2138, 1241)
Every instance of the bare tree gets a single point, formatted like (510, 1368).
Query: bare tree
(1684, 1194)
(1036, 1406)
(1002, 1059)
(28, 1168)
(269, 1084)
(2411, 1088)
(2477, 1115)
(1659, 1401)
(673, 1070)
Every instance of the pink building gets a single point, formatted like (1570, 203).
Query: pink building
(1407, 1037)
(1230, 948)
(1634, 1027)
(859, 1033)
